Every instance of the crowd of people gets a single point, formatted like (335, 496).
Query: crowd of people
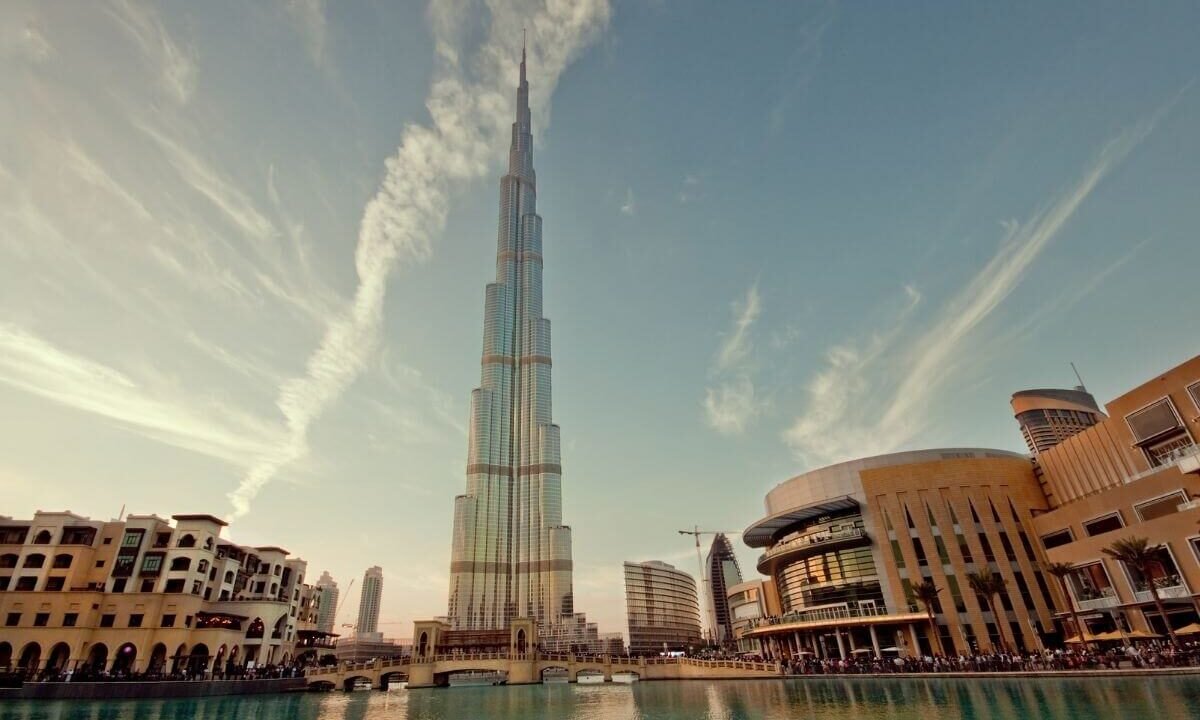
(1152, 655)
(89, 674)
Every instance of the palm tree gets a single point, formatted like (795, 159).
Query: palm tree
(988, 585)
(927, 593)
(1137, 554)
(1061, 571)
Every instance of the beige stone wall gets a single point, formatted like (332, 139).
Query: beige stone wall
(958, 483)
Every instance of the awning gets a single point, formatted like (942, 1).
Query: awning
(764, 532)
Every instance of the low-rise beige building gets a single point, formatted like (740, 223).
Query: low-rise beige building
(141, 595)
(1136, 473)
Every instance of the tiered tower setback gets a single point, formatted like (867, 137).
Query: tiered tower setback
(511, 553)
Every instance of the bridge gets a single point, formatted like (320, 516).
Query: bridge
(524, 668)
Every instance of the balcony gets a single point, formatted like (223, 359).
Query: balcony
(1169, 588)
(814, 544)
(1098, 600)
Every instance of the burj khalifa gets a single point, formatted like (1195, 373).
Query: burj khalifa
(511, 555)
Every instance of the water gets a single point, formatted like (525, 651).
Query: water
(819, 699)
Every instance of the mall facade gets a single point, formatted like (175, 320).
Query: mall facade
(140, 595)
(844, 546)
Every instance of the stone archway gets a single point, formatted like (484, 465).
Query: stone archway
(521, 641)
(179, 660)
(5, 655)
(158, 659)
(60, 655)
(97, 658)
(198, 660)
(125, 659)
(31, 656)
(423, 645)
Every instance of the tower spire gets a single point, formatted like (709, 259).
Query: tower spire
(522, 56)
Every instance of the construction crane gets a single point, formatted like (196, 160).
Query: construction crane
(696, 532)
(342, 601)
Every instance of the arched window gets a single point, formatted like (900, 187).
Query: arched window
(35, 560)
(255, 630)
(43, 538)
(8, 560)
(229, 576)
(62, 561)
(180, 563)
(187, 541)
(202, 566)
(208, 543)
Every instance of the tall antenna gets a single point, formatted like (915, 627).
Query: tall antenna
(1077, 377)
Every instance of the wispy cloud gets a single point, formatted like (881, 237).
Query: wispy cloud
(860, 405)
(730, 402)
(802, 65)
(309, 18)
(35, 365)
(469, 122)
(629, 207)
(177, 65)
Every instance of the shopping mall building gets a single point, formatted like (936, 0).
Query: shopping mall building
(845, 545)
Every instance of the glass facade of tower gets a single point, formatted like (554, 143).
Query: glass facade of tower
(511, 554)
(721, 573)
(662, 608)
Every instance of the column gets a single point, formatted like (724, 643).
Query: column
(874, 641)
(916, 641)
(841, 646)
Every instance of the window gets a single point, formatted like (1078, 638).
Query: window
(168, 621)
(107, 620)
(135, 620)
(174, 586)
(229, 576)
(180, 563)
(988, 555)
(202, 566)
(26, 584)
(1008, 548)
(147, 585)
(12, 619)
(107, 541)
(41, 619)
(13, 536)
(919, 549)
(42, 538)
(78, 536)
(132, 538)
(187, 620)
(99, 563)
(1153, 421)
(162, 539)
(152, 564)
(1161, 506)
(195, 587)
(55, 583)
(70, 619)
(62, 561)
(1103, 524)
(8, 560)
(35, 560)
(187, 541)
(1194, 391)
(119, 585)
(4, 581)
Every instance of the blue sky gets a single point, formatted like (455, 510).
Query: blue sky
(243, 251)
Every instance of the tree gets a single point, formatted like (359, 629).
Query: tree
(1061, 571)
(989, 586)
(927, 593)
(1136, 553)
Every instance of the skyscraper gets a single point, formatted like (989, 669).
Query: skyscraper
(1049, 416)
(368, 602)
(662, 608)
(511, 554)
(327, 591)
(721, 572)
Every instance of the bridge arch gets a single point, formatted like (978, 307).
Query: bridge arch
(562, 670)
(590, 670)
(348, 683)
(391, 676)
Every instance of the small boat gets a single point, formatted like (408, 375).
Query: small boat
(472, 678)
(397, 685)
(553, 676)
(625, 678)
(361, 684)
(590, 677)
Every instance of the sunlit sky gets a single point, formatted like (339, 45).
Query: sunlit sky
(243, 250)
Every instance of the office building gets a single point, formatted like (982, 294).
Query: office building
(845, 545)
(749, 603)
(327, 589)
(1047, 417)
(368, 603)
(721, 573)
(142, 595)
(662, 608)
(511, 552)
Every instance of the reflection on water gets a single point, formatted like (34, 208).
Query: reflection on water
(819, 699)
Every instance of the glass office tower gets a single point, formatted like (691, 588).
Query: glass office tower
(512, 555)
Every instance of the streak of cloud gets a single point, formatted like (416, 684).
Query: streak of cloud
(33, 364)
(730, 403)
(470, 115)
(177, 65)
(843, 418)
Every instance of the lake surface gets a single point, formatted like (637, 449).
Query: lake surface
(1134, 698)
